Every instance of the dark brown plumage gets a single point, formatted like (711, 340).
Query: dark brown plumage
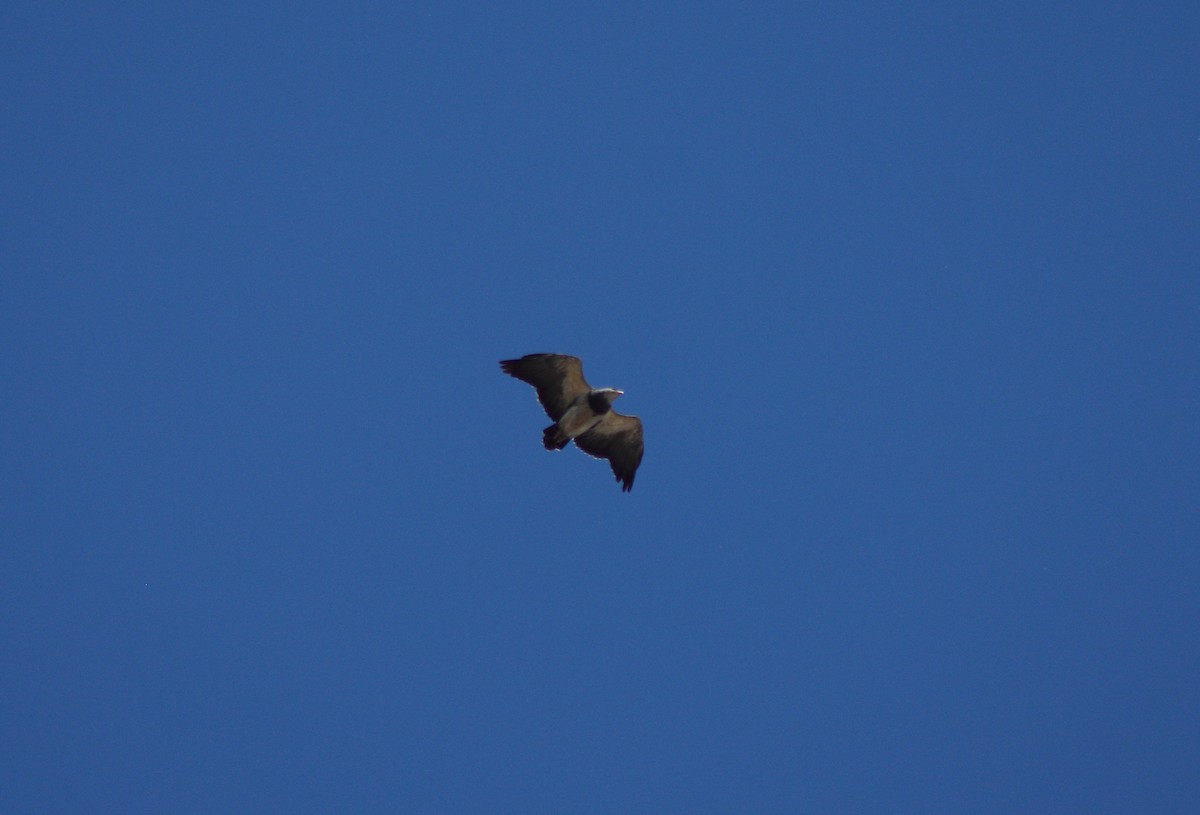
(581, 413)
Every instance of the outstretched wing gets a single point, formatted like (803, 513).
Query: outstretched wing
(617, 438)
(557, 377)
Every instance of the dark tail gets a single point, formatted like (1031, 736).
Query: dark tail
(554, 438)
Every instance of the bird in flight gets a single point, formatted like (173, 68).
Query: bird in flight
(581, 413)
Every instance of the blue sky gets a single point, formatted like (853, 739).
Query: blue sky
(906, 297)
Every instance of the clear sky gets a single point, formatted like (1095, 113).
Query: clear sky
(906, 295)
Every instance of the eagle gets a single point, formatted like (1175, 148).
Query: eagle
(581, 413)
